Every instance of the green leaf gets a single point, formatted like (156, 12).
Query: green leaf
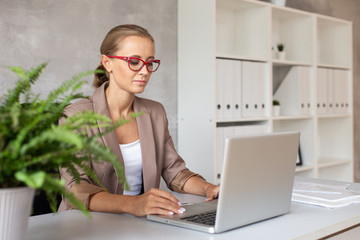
(35, 180)
(18, 70)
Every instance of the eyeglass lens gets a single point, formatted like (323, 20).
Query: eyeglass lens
(137, 64)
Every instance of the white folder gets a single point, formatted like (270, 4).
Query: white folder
(228, 88)
(237, 92)
(219, 153)
(247, 93)
(321, 89)
(220, 74)
(304, 74)
(341, 93)
(331, 92)
(258, 88)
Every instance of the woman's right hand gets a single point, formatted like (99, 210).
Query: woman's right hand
(155, 201)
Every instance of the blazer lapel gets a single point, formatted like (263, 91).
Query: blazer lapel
(147, 143)
(110, 140)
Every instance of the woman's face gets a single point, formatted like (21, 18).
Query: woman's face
(121, 76)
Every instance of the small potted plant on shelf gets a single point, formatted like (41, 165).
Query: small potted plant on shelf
(276, 108)
(281, 51)
(33, 146)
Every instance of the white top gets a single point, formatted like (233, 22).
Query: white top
(131, 154)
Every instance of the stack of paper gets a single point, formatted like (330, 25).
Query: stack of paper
(324, 195)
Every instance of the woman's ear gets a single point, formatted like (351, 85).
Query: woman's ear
(106, 63)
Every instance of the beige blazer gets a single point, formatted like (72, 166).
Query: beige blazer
(158, 152)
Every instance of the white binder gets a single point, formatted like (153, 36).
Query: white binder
(219, 153)
(330, 92)
(226, 133)
(259, 97)
(228, 88)
(237, 92)
(341, 93)
(305, 94)
(247, 93)
(219, 88)
(321, 89)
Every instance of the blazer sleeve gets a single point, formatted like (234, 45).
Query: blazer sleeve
(173, 163)
(85, 188)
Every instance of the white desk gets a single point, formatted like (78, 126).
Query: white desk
(302, 222)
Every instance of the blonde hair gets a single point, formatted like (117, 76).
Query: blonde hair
(111, 44)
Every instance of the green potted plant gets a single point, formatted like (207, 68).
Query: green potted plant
(276, 108)
(33, 146)
(281, 54)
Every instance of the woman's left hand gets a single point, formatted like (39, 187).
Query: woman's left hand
(212, 192)
(198, 186)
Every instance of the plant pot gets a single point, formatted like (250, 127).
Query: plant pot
(281, 55)
(276, 111)
(15, 207)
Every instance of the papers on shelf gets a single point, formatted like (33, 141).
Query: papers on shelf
(324, 195)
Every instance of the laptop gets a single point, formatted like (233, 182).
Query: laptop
(257, 180)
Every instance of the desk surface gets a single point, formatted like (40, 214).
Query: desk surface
(302, 222)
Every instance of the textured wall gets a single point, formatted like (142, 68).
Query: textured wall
(348, 10)
(68, 35)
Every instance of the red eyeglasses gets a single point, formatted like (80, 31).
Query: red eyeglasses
(136, 64)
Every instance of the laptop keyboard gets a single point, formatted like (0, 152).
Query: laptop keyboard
(207, 218)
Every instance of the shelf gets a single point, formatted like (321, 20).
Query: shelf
(292, 87)
(261, 119)
(328, 162)
(241, 34)
(343, 67)
(284, 118)
(331, 32)
(334, 116)
(303, 168)
(238, 57)
(294, 29)
(277, 62)
(335, 138)
(233, 19)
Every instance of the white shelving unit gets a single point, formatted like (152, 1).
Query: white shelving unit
(244, 33)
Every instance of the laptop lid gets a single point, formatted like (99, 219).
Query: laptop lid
(257, 178)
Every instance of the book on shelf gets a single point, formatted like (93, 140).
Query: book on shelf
(324, 195)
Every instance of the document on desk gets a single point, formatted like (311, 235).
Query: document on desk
(324, 195)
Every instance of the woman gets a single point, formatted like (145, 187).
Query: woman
(143, 145)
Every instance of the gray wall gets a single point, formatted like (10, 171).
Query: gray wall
(349, 10)
(68, 35)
